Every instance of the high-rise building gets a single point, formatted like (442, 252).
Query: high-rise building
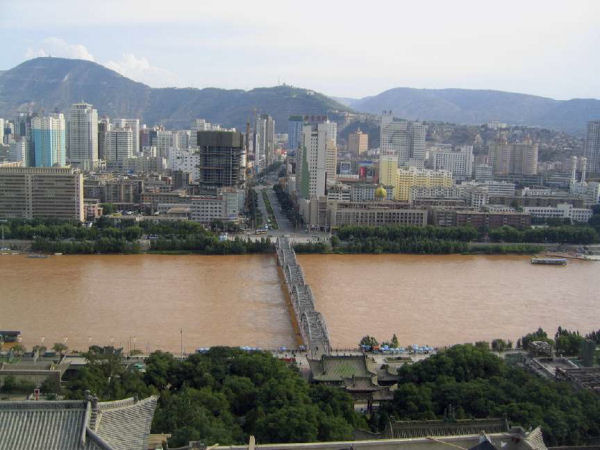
(358, 142)
(104, 127)
(163, 142)
(147, 136)
(134, 125)
(264, 140)
(316, 158)
(592, 147)
(83, 136)
(295, 124)
(1, 130)
(17, 151)
(296, 128)
(48, 137)
(406, 179)
(221, 158)
(41, 192)
(119, 147)
(458, 161)
(513, 159)
(181, 139)
(404, 139)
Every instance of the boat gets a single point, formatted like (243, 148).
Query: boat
(550, 261)
(36, 255)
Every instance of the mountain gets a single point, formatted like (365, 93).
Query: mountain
(48, 84)
(467, 106)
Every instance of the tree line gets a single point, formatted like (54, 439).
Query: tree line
(223, 396)
(568, 234)
(211, 245)
(478, 384)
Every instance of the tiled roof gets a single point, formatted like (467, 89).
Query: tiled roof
(72, 425)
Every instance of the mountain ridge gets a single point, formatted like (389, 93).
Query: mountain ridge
(477, 106)
(46, 84)
(49, 83)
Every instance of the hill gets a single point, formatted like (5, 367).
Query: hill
(48, 84)
(467, 106)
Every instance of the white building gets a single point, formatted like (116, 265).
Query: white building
(314, 167)
(82, 134)
(459, 162)
(163, 142)
(403, 139)
(134, 126)
(185, 161)
(561, 211)
(119, 147)
(264, 141)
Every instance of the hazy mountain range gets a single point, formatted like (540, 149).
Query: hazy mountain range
(48, 84)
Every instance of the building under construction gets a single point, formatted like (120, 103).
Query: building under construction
(221, 159)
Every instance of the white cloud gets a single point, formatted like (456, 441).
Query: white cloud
(53, 46)
(140, 69)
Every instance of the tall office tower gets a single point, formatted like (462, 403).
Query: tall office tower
(134, 125)
(48, 136)
(104, 127)
(163, 142)
(119, 147)
(22, 130)
(513, 159)
(41, 192)
(592, 147)
(404, 139)
(83, 136)
(314, 160)
(458, 161)
(358, 142)
(264, 140)
(17, 151)
(147, 136)
(1, 130)
(388, 168)
(181, 139)
(295, 125)
(198, 125)
(221, 157)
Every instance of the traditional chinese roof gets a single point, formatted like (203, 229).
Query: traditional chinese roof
(76, 425)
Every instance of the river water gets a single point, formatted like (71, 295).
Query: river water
(440, 300)
(145, 300)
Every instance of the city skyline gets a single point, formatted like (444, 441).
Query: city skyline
(537, 48)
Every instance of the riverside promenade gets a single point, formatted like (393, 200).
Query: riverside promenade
(310, 321)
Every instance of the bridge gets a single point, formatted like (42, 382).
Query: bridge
(310, 321)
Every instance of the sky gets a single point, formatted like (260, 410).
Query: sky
(341, 48)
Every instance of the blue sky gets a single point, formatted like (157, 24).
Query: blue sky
(340, 48)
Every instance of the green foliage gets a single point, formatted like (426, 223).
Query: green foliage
(567, 342)
(500, 345)
(406, 232)
(108, 208)
(287, 206)
(478, 384)
(12, 385)
(210, 245)
(568, 234)
(270, 210)
(368, 341)
(224, 396)
(539, 335)
(312, 247)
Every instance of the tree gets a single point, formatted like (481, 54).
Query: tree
(368, 341)
(18, 349)
(60, 348)
(394, 342)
